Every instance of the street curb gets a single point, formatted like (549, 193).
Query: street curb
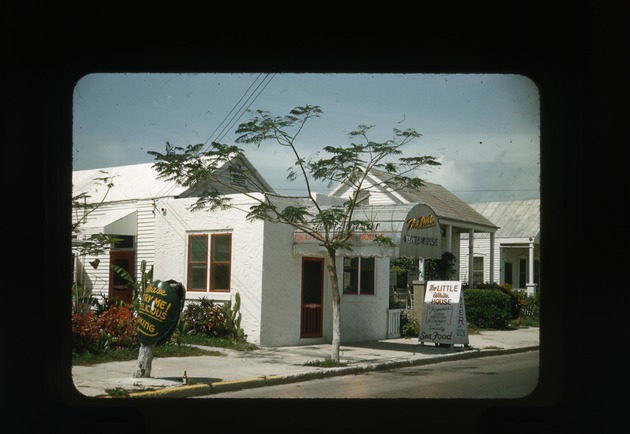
(194, 390)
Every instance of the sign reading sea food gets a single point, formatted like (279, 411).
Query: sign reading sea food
(444, 314)
(158, 312)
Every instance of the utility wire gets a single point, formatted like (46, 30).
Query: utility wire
(242, 110)
(168, 188)
(239, 101)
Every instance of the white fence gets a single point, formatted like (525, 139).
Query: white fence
(393, 323)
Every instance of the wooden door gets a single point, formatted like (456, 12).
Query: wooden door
(118, 286)
(312, 294)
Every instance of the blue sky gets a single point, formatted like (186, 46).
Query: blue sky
(484, 128)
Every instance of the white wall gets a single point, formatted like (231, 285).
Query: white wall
(282, 288)
(482, 248)
(171, 234)
(364, 317)
(144, 243)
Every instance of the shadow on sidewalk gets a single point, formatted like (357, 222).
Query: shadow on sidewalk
(413, 347)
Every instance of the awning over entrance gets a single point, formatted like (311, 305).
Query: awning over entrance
(117, 222)
(414, 230)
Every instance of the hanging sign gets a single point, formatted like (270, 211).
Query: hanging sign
(444, 314)
(421, 236)
(158, 311)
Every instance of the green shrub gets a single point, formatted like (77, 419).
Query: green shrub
(409, 325)
(487, 308)
(530, 305)
(212, 319)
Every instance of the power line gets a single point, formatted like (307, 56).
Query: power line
(235, 105)
(243, 109)
(169, 188)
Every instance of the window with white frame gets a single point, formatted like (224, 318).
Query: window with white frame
(209, 262)
(478, 270)
(358, 276)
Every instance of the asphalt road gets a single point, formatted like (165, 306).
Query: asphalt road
(501, 377)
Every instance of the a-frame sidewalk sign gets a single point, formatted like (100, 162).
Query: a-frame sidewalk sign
(443, 319)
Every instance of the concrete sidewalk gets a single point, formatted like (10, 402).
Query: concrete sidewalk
(235, 370)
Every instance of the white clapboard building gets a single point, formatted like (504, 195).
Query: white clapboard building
(513, 256)
(279, 273)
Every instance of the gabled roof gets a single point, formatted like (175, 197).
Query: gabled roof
(132, 182)
(447, 207)
(136, 182)
(445, 204)
(516, 218)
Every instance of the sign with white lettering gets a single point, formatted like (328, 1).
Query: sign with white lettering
(444, 314)
(158, 311)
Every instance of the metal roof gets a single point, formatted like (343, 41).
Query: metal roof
(135, 182)
(445, 204)
(516, 218)
(132, 182)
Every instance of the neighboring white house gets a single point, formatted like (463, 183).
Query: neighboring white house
(455, 217)
(126, 202)
(516, 245)
(279, 273)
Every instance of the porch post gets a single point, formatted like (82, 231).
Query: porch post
(531, 286)
(491, 257)
(471, 243)
(449, 238)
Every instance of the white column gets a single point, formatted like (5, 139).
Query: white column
(491, 257)
(471, 243)
(449, 238)
(531, 286)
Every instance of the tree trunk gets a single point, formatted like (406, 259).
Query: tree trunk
(336, 305)
(145, 358)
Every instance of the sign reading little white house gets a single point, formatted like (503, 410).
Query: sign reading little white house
(444, 314)
(414, 231)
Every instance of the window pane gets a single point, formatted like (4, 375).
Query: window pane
(198, 249)
(197, 276)
(220, 276)
(221, 248)
(367, 263)
(367, 276)
(350, 276)
(198, 262)
(478, 270)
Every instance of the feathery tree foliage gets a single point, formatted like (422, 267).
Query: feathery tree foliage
(333, 226)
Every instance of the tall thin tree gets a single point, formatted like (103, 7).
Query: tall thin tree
(333, 226)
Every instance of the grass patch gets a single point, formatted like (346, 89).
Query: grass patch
(117, 392)
(124, 354)
(167, 350)
(326, 363)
